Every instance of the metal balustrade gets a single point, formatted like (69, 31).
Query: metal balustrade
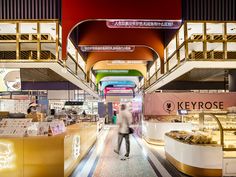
(37, 46)
(183, 53)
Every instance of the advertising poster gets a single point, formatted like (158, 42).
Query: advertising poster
(10, 80)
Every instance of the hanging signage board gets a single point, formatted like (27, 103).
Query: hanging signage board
(107, 48)
(156, 24)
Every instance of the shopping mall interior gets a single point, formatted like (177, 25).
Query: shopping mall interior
(77, 77)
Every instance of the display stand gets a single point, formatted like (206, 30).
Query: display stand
(154, 132)
(194, 159)
(207, 160)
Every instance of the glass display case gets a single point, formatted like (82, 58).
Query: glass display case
(221, 125)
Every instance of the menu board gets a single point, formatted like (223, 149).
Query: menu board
(14, 127)
(56, 127)
(10, 80)
(25, 127)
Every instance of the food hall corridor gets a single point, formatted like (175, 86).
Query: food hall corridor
(145, 160)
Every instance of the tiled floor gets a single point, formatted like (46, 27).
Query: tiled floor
(145, 160)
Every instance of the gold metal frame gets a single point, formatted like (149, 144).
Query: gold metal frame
(38, 41)
(186, 42)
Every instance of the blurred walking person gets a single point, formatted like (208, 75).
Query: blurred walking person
(124, 121)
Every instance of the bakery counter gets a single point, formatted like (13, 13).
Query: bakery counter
(195, 159)
(46, 156)
(154, 132)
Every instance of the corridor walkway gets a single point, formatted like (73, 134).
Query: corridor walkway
(145, 160)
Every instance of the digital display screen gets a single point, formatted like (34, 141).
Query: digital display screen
(10, 80)
(182, 112)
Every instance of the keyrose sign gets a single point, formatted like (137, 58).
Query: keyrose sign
(170, 103)
(200, 105)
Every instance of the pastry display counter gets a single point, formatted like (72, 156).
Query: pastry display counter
(194, 159)
(214, 147)
(154, 131)
(46, 156)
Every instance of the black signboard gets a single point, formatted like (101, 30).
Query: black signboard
(72, 103)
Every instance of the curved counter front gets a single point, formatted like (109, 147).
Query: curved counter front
(194, 159)
(155, 131)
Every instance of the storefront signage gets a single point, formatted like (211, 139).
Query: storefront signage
(168, 106)
(170, 103)
(157, 24)
(107, 48)
(72, 103)
(200, 105)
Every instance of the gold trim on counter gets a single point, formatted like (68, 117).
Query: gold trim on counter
(193, 171)
(153, 141)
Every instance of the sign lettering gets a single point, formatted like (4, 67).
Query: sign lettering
(157, 24)
(200, 105)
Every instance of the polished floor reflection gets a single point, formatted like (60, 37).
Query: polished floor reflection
(145, 160)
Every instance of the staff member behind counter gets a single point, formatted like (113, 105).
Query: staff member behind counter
(33, 113)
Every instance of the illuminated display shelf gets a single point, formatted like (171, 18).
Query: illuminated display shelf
(219, 124)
